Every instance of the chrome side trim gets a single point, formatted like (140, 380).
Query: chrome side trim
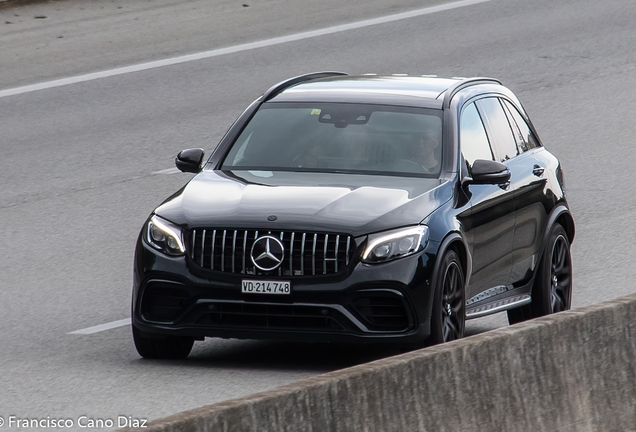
(501, 305)
(392, 291)
(490, 292)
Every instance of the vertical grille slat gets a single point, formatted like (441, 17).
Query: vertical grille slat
(307, 253)
(233, 250)
(244, 251)
(324, 256)
(313, 255)
(337, 244)
(291, 254)
(223, 251)
(202, 247)
(302, 254)
(193, 245)
(280, 269)
(212, 254)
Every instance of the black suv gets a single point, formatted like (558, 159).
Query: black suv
(357, 209)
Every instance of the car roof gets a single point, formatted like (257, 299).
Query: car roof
(417, 91)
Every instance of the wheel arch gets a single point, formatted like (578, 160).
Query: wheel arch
(562, 216)
(455, 241)
(565, 219)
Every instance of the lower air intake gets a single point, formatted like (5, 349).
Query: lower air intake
(163, 303)
(383, 312)
(267, 316)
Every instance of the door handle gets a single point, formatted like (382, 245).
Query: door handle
(538, 170)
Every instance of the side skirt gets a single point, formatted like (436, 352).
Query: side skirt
(497, 299)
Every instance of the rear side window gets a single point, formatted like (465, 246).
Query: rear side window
(525, 137)
(502, 139)
(472, 137)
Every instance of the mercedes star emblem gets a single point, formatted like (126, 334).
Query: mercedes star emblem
(267, 253)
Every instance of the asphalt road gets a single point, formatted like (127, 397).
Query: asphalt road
(77, 165)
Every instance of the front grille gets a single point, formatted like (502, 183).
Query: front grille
(268, 316)
(386, 312)
(164, 303)
(305, 253)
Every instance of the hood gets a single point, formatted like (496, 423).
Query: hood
(343, 203)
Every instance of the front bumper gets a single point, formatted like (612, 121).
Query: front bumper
(387, 302)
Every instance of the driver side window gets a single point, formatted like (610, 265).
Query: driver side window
(473, 141)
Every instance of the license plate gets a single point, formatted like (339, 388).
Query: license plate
(266, 287)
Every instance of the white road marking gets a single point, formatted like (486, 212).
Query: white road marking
(237, 48)
(102, 327)
(168, 171)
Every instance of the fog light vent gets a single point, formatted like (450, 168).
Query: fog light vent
(382, 312)
(164, 303)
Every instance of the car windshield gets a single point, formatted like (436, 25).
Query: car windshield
(340, 137)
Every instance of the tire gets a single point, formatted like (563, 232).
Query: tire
(552, 289)
(170, 347)
(520, 314)
(448, 315)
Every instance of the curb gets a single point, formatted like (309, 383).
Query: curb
(573, 371)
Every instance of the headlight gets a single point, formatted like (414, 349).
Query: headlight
(164, 236)
(391, 245)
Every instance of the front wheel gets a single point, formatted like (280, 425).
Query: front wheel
(552, 290)
(170, 347)
(448, 317)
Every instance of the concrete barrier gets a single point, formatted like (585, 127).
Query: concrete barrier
(573, 371)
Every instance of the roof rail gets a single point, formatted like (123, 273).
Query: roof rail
(460, 85)
(276, 89)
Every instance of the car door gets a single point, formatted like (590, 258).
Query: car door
(532, 202)
(490, 226)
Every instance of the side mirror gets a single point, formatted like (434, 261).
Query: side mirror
(190, 160)
(488, 172)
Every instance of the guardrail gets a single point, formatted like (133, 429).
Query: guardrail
(573, 371)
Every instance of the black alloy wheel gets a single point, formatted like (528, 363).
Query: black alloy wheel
(552, 290)
(560, 275)
(170, 347)
(448, 318)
